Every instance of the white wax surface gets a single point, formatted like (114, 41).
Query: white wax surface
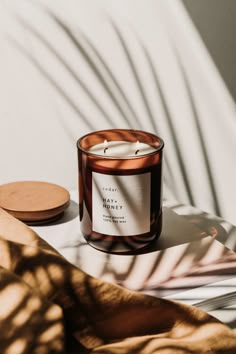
(121, 149)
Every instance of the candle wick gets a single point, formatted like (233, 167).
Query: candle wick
(105, 145)
(136, 152)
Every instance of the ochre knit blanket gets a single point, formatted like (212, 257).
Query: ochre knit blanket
(48, 305)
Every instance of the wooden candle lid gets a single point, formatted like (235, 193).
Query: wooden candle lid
(34, 202)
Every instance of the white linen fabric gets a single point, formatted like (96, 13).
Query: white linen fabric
(70, 67)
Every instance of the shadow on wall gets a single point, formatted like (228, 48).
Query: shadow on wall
(118, 98)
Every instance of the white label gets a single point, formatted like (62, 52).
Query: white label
(121, 204)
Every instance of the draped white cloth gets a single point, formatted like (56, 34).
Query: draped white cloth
(70, 67)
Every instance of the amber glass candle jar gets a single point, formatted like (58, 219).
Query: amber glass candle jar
(120, 181)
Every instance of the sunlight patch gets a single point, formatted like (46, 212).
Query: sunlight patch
(10, 298)
(51, 333)
(53, 313)
(18, 346)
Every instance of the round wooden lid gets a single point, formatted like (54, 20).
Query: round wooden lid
(34, 202)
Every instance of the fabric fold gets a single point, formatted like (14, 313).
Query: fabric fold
(98, 317)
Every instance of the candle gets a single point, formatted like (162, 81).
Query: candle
(120, 189)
